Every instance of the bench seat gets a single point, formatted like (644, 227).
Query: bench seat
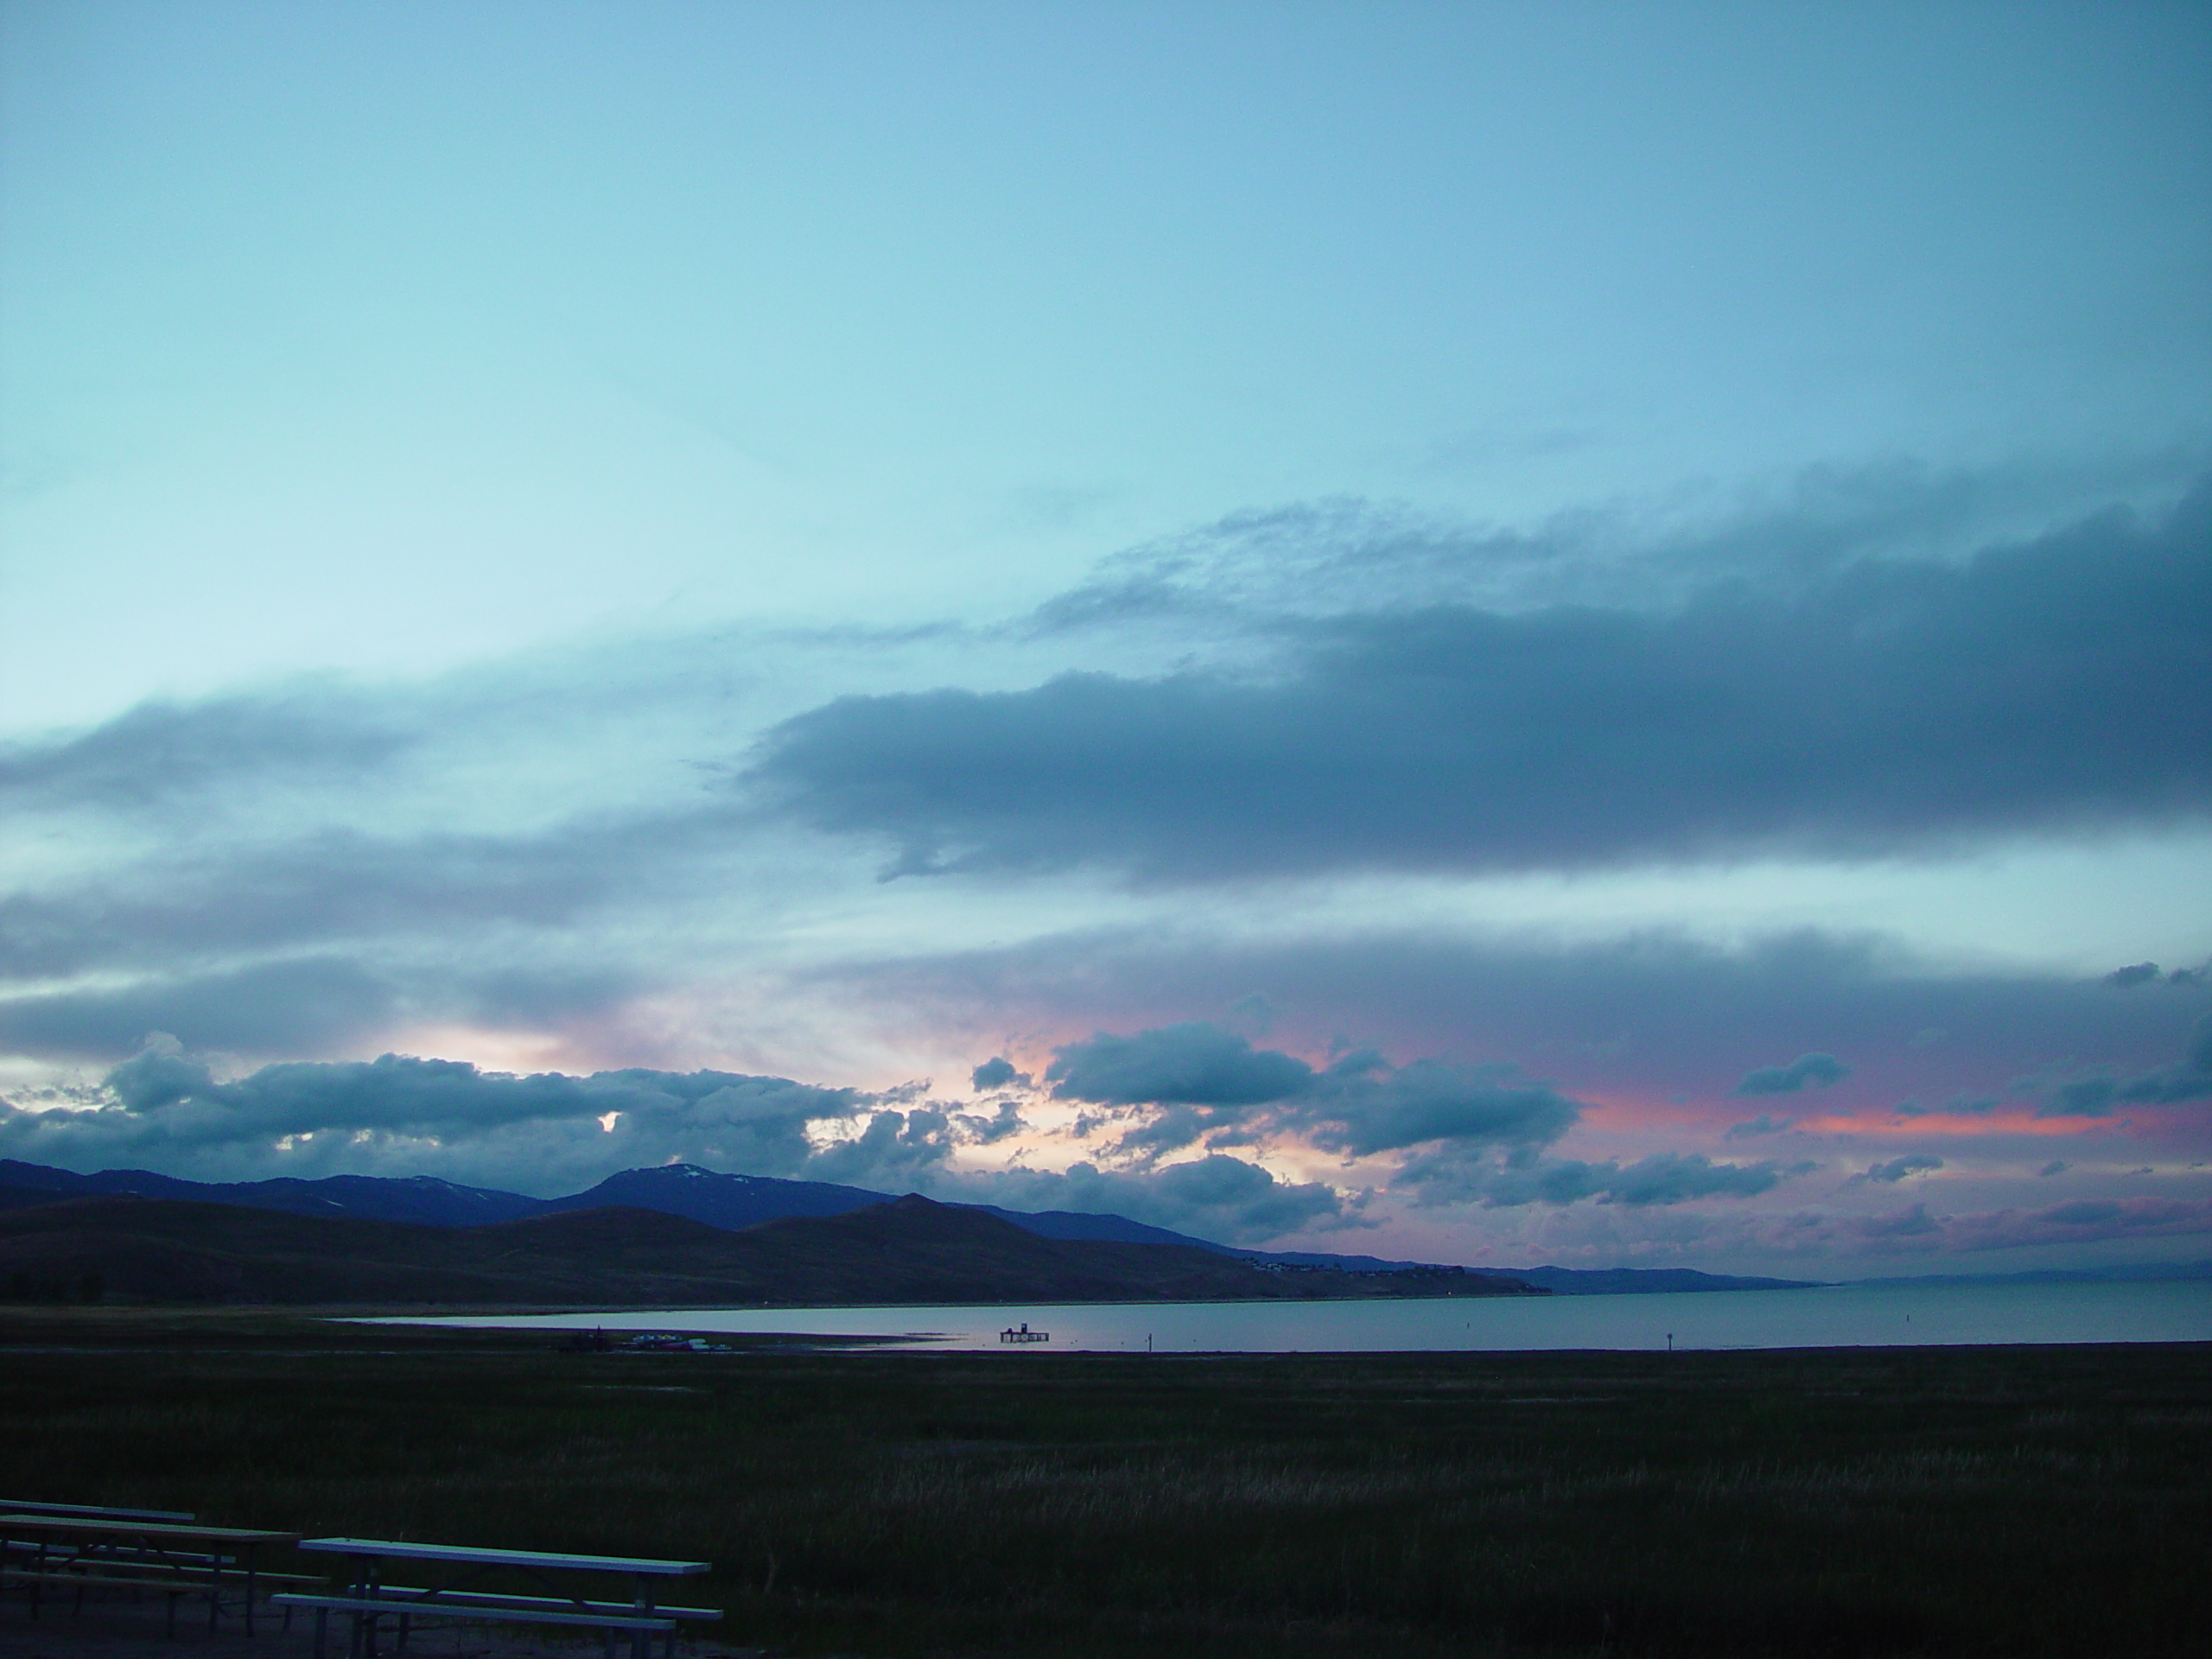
(407, 1608)
(444, 1609)
(87, 1581)
(493, 1599)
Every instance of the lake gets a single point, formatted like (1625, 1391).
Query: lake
(1842, 1316)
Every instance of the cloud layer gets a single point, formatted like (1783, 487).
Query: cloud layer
(1887, 706)
(1222, 834)
(550, 1133)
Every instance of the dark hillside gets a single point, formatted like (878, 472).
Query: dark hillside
(726, 1201)
(908, 1250)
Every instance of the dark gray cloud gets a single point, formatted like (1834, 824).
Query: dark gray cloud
(335, 885)
(551, 1133)
(2136, 974)
(1189, 1064)
(1913, 1163)
(2098, 1097)
(159, 752)
(1447, 1176)
(1764, 1123)
(291, 1004)
(1957, 1106)
(1208, 1083)
(1821, 1069)
(1387, 1110)
(314, 1002)
(404, 1115)
(1632, 1018)
(997, 1073)
(981, 1131)
(1216, 1197)
(1347, 555)
(2083, 1222)
(1885, 706)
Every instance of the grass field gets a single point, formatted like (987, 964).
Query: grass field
(1962, 1501)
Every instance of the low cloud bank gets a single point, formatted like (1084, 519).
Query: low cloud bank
(550, 1134)
(1883, 707)
(1470, 1134)
(1664, 1178)
(1821, 1069)
(2190, 1078)
(401, 1115)
(1913, 1163)
(1651, 1014)
(2087, 1221)
(1201, 1083)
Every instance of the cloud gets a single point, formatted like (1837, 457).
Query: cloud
(1821, 1069)
(1913, 1163)
(1192, 1064)
(1645, 1015)
(160, 754)
(402, 1116)
(1434, 1101)
(1881, 706)
(1914, 1226)
(1764, 1123)
(551, 1133)
(2136, 974)
(2097, 1097)
(311, 1002)
(985, 1131)
(1227, 1199)
(1205, 1081)
(1661, 1178)
(2056, 1166)
(996, 1073)
(340, 885)
(1957, 1106)
(2085, 1221)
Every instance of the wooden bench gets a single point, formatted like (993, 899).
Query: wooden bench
(367, 1600)
(503, 1601)
(93, 1511)
(480, 1609)
(80, 1551)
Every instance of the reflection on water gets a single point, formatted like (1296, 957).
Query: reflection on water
(1841, 1316)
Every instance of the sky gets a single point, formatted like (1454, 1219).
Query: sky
(1488, 632)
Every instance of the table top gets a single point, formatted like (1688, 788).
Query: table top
(24, 1506)
(388, 1550)
(144, 1529)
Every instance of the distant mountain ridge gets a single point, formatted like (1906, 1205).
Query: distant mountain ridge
(106, 1248)
(730, 1202)
(734, 1202)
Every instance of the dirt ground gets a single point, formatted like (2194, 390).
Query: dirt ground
(123, 1631)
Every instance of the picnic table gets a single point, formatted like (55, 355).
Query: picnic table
(24, 1506)
(369, 1598)
(116, 1551)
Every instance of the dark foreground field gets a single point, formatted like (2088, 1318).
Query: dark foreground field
(1991, 1501)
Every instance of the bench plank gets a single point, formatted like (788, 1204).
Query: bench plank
(390, 1551)
(412, 1609)
(497, 1599)
(97, 1511)
(86, 1581)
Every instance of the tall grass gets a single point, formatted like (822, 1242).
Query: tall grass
(2015, 1501)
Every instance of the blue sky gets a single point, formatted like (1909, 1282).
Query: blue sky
(1564, 630)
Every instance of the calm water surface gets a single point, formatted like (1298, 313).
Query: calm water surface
(1841, 1316)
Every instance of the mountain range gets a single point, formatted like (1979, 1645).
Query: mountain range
(732, 1202)
(125, 1248)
